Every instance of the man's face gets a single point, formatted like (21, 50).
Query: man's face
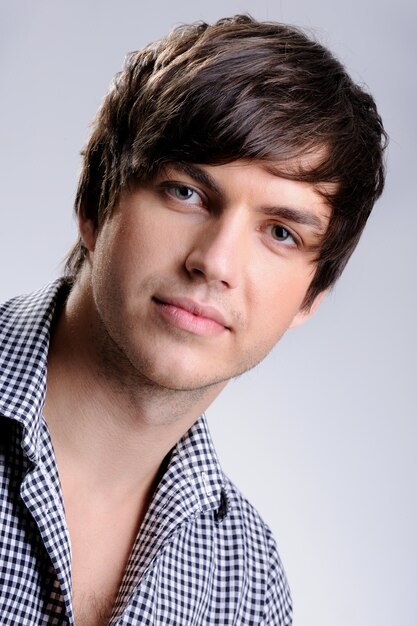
(197, 275)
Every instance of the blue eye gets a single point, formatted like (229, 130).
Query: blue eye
(182, 192)
(183, 195)
(186, 194)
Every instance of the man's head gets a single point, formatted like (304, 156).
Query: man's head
(239, 90)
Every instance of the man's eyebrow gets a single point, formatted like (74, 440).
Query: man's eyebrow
(197, 174)
(298, 216)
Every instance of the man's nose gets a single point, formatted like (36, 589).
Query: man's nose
(217, 252)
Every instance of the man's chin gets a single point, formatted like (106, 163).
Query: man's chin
(186, 383)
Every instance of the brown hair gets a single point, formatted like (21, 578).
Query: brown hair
(238, 89)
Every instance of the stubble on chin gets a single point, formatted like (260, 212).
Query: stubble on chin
(134, 381)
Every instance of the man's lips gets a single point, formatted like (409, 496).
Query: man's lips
(193, 316)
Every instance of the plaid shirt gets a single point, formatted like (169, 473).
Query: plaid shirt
(202, 557)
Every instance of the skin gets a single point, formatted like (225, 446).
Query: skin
(190, 282)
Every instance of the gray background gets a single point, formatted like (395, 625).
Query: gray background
(322, 436)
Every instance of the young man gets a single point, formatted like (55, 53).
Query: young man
(229, 174)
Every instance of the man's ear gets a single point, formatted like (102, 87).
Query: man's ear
(88, 232)
(305, 313)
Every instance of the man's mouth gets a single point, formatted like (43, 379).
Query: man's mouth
(191, 316)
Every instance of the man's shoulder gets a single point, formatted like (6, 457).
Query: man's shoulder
(233, 520)
(245, 542)
(251, 523)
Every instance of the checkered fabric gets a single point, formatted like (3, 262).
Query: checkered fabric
(203, 557)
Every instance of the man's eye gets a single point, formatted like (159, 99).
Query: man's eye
(184, 193)
(279, 233)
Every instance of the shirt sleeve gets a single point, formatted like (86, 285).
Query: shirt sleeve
(278, 603)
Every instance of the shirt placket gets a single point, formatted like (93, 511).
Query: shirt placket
(45, 505)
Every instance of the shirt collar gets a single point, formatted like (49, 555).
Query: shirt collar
(193, 477)
(25, 324)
